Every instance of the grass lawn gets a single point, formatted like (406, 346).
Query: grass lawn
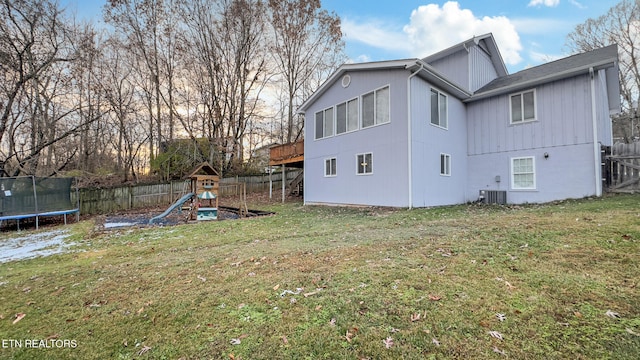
(552, 281)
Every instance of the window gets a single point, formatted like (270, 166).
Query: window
(330, 167)
(375, 107)
(523, 175)
(523, 107)
(324, 123)
(365, 165)
(347, 116)
(445, 164)
(438, 109)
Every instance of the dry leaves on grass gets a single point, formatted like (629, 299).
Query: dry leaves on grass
(19, 316)
(144, 350)
(388, 342)
(612, 314)
(351, 333)
(496, 335)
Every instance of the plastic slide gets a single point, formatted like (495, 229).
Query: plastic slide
(175, 205)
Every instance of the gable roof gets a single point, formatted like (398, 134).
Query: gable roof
(486, 42)
(203, 169)
(556, 70)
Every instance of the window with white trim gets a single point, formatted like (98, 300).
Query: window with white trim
(324, 123)
(347, 116)
(330, 167)
(523, 173)
(365, 163)
(439, 109)
(523, 106)
(375, 107)
(445, 164)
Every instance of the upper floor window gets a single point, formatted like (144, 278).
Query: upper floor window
(438, 109)
(375, 107)
(324, 123)
(523, 106)
(347, 116)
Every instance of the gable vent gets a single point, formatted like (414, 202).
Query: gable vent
(493, 197)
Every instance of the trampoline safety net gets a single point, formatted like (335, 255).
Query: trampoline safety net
(32, 195)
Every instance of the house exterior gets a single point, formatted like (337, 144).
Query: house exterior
(439, 130)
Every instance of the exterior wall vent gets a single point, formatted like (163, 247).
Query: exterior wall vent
(493, 197)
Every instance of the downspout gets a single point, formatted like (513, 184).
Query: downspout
(596, 148)
(409, 139)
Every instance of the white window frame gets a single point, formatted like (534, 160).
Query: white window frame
(360, 163)
(348, 119)
(324, 119)
(522, 110)
(514, 173)
(332, 167)
(446, 107)
(446, 171)
(375, 107)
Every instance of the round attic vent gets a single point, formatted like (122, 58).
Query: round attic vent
(346, 80)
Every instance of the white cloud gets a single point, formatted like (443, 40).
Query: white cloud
(577, 4)
(375, 33)
(549, 3)
(433, 28)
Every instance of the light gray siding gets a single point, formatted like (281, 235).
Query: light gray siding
(387, 185)
(454, 67)
(482, 69)
(429, 141)
(563, 129)
(563, 118)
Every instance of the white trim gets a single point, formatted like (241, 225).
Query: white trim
(375, 107)
(446, 96)
(512, 175)
(357, 99)
(447, 164)
(325, 167)
(535, 107)
(358, 164)
(596, 147)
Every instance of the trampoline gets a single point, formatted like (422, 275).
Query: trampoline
(28, 197)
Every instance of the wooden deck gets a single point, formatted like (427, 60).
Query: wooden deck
(291, 154)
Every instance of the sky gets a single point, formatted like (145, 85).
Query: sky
(528, 32)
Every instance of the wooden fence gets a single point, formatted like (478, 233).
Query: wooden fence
(622, 167)
(105, 201)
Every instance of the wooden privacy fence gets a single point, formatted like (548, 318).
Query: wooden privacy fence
(105, 201)
(622, 167)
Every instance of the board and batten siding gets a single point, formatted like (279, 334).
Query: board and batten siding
(560, 140)
(454, 67)
(429, 141)
(482, 69)
(386, 186)
(563, 117)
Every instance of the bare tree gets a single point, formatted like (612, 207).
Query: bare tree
(306, 41)
(620, 25)
(149, 27)
(230, 55)
(38, 109)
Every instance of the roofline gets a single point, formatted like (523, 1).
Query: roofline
(498, 61)
(545, 79)
(390, 64)
(429, 73)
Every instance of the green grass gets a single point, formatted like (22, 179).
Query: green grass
(431, 280)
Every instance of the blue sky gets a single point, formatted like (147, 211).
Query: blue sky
(528, 32)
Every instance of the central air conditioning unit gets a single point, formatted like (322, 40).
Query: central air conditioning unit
(493, 197)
